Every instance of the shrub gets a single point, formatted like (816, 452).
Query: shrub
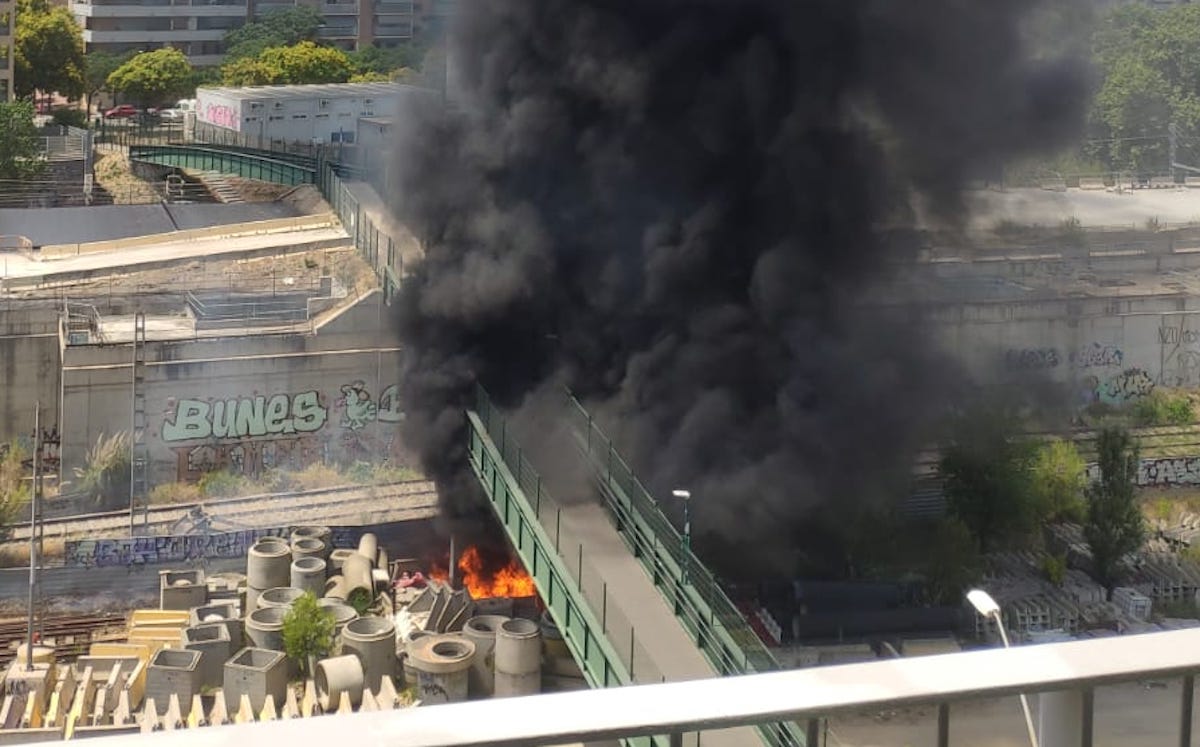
(14, 491)
(106, 471)
(221, 484)
(175, 492)
(70, 117)
(1055, 568)
(1162, 408)
(307, 632)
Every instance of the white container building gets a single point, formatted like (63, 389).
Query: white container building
(327, 113)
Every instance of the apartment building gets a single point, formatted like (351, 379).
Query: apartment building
(8, 13)
(197, 27)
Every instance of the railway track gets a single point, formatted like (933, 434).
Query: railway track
(70, 635)
(249, 511)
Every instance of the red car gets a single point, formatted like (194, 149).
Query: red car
(124, 111)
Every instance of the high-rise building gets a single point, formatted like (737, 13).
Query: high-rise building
(197, 27)
(8, 13)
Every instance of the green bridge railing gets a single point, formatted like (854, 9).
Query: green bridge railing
(248, 165)
(703, 609)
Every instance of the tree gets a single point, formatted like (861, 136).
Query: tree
(1058, 479)
(20, 151)
(14, 491)
(369, 78)
(279, 28)
(986, 474)
(301, 63)
(1114, 526)
(151, 78)
(48, 51)
(307, 632)
(383, 61)
(97, 67)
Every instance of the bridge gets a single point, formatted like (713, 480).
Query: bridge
(635, 606)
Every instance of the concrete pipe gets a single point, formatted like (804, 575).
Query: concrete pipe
(518, 658)
(41, 654)
(356, 569)
(268, 563)
(307, 547)
(439, 665)
(251, 602)
(335, 588)
(342, 613)
(308, 574)
(368, 547)
(341, 674)
(264, 628)
(481, 631)
(280, 596)
(373, 640)
(318, 533)
(381, 561)
(337, 558)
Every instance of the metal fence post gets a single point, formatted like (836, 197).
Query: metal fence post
(581, 566)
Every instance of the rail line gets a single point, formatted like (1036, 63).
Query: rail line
(249, 511)
(70, 635)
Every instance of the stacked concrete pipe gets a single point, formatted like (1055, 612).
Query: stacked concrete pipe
(368, 547)
(280, 596)
(518, 658)
(341, 674)
(264, 628)
(342, 614)
(324, 534)
(337, 558)
(268, 565)
(308, 574)
(481, 630)
(373, 640)
(307, 547)
(440, 666)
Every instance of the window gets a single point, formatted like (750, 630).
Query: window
(255, 105)
(322, 116)
(251, 119)
(367, 113)
(324, 103)
(368, 102)
(299, 116)
(278, 104)
(274, 118)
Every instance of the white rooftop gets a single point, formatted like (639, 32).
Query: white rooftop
(319, 90)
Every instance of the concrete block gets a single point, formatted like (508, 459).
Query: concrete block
(173, 672)
(256, 673)
(181, 590)
(158, 618)
(225, 613)
(212, 641)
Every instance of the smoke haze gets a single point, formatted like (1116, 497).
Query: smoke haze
(682, 210)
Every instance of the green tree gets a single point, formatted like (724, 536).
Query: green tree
(986, 476)
(20, 152)
(951, 563)
(1058, 478)
(278, 28)
(97, 67)
(301, 63)
(368, 78)
(152, 78)
(307, 632)
(48, 51)
(383, 61)
(1114, 527)
(14, 490)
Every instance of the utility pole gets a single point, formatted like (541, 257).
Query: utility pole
(33, 517)
(1173, 149)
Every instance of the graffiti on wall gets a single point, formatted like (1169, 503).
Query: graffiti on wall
(1160, 473)
(1180, 354)
(222, 116)
(1129, 385)
(248, 435)
(132, 551)
(1031, 359)
(1097, 356)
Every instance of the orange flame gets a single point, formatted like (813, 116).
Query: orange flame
(511, 580)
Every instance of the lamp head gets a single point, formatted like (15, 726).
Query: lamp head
(684, 494)
(983, 602)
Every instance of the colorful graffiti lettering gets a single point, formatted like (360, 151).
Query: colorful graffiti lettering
(222, 116)
(1097, 356)
(1160, 473)
(1031, 359)
(358, 408)
(196, 419)
(1127, 386)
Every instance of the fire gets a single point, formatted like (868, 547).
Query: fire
(510, 580)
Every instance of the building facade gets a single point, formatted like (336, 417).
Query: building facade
(8, 12)
(197, 27)
(317, 113)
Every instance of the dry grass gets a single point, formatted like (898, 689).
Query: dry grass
(175, 492)
(16, 555)
(114, 174)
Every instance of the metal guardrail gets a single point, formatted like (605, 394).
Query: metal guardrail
(248, 165)
(711, 620)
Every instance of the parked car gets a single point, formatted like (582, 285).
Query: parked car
(124, 111)
(171, 115)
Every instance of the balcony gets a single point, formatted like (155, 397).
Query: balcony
(338, 32)
(180, 10)
(91, 36)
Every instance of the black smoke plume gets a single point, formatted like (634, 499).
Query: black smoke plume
(684, 211)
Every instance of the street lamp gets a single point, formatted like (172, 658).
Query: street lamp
(686, 495)
(987, 607)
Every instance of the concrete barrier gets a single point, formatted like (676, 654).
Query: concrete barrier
(253, 228)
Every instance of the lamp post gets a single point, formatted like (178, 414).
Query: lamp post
(987, 607)
(686, 495)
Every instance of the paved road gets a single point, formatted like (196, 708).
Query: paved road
(13, 265)
(1128, 715)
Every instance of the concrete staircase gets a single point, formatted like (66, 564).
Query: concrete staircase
(220, 186)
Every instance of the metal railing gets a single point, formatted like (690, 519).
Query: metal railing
(246, 165)
(711, 620)
(806, 695)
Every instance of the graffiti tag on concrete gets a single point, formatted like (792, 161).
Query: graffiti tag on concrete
(1127, 386)
(1031, 359)
(196, 419)
(1160, 473)
(1097, 356)
(127, 551)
